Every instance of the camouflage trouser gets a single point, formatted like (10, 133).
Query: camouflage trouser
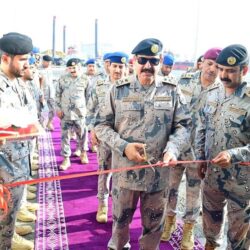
(152, 208)
(51, 107)
(7, 222)
(81, 130)
(238, 210)
(104, 161)
(193, 200)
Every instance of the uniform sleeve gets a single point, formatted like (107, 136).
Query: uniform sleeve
(89, 89)
(240, 154)
(58, 95)
(105, 122)
(200, 136)
(92, 109)
(179, 138)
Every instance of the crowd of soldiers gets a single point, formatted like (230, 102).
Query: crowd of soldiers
(137, 112)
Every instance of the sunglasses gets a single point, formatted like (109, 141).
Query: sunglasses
(144, 60)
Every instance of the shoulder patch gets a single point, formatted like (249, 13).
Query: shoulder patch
(169, 80)
(122, 82)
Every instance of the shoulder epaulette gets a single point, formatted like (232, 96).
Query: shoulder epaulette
(169, 80)
(214, 86)
(3, 84)
(100, 82)
(247, 91)
(122, 82)
(188, 75)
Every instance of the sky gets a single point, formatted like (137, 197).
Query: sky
(186, 27)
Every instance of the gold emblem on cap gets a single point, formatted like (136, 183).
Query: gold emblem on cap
(231, 60)
(73, 63)
(123, 60)
(154, 48)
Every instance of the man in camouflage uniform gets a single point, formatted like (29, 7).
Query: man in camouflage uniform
(194, 87)
(167, 66)
(14, 51)
(71, 102)
(223, 138)
(48, 87)
(93, 73)
(144, 120)
(118, 63)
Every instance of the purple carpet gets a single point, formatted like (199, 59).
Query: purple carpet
(79, 206)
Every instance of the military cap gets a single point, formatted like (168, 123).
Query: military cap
(233, 55)
(200, 59)
(168, 59)
(212, 53)
(105, 57)
(148, 47)
(47, 58)
(35, 50)
(118, 57)
(32, 60)
(16, 44)
(73, 62)
(90, 61)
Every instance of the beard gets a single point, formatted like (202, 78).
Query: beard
(15, 71)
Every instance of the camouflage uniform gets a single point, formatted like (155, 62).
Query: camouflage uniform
(71, 100)
(93, 81)
(134, 113)
(49, 90)
(36, 94)
(14, 160)
(226, 126)
(96, 100)
(191, 88)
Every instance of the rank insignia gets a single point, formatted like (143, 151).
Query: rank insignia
(231, 60)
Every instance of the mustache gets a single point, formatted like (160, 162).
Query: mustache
(225, 80)
(148, 71)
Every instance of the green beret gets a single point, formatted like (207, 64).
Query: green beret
(148, 47)
(233, 55)
(16, 44)
(47, 58)
(73, 62)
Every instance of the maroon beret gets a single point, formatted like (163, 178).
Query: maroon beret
(212, 53)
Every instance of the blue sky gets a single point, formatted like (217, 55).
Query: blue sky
(186, 27)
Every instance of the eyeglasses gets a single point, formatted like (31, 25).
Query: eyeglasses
(143, 60)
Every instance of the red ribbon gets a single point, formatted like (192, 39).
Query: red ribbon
(4, 200)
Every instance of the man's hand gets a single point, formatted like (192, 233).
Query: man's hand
(202, 169)
(133, 151)
(223, 159)
(59, 114)
(93, 138)
(169, 158)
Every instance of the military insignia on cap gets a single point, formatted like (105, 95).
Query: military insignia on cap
(73, 63)
(231, 60)
(123, 60)
(154, 48)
